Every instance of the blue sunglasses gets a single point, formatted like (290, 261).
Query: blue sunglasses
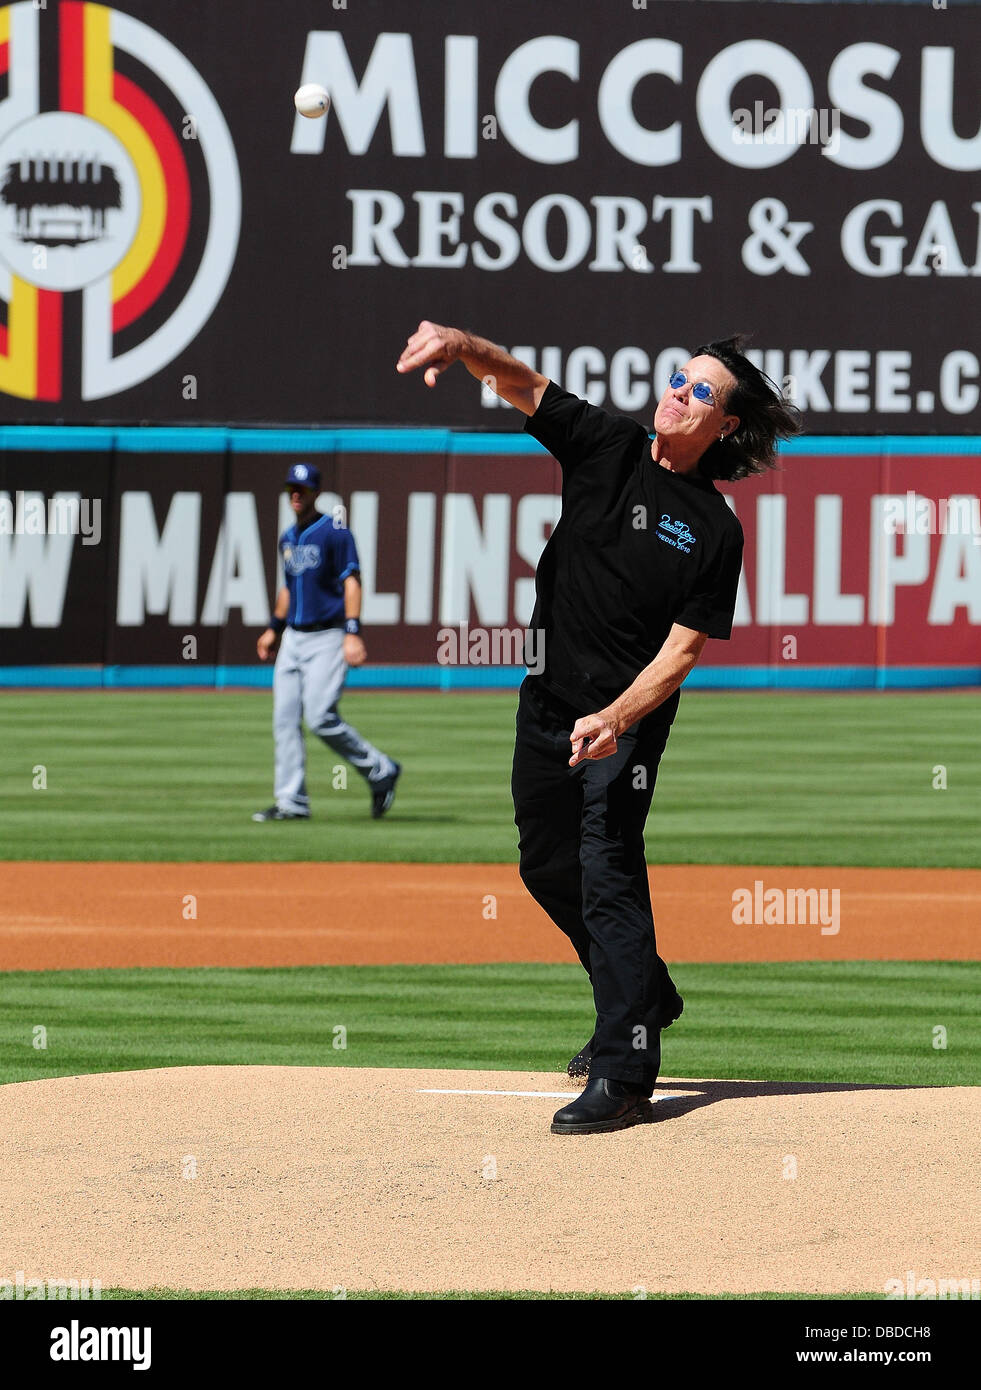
(702, 391)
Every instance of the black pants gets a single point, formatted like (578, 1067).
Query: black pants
(581, 840)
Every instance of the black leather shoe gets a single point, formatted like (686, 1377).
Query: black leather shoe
(604, 1105)
(579, 1066)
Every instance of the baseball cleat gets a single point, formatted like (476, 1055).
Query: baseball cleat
(274, 813)
(383, 793)
(578, 1068)
(604, 1105)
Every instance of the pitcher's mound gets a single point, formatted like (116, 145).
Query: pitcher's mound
(326, 1178)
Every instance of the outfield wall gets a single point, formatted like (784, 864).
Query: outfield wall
(149, 556)
(597, 186)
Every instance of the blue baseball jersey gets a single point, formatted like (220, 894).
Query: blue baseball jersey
(316, 561)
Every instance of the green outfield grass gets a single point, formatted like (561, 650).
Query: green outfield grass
(772, 779)
(860, 1022)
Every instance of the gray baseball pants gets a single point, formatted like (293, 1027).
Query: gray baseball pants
(307, 682)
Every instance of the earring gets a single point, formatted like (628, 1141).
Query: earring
(722, 436)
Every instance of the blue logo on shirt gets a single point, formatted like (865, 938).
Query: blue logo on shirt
(675, 533)
(297, 558)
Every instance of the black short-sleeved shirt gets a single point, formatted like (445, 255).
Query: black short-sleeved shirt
(636, 549)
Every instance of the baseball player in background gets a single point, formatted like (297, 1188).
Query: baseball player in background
(316, 631)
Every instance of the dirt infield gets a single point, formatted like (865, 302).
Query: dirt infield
(62, 916)
(303, 1177)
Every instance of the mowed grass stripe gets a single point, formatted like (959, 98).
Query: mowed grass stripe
(764, 779)
(863, 1022)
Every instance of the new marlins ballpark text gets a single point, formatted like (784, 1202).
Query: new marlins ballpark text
(461, 559)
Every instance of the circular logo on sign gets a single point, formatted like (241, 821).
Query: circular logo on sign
(67, 219)
(120, 201)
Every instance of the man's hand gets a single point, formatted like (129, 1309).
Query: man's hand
(268, 644)
(355, 651)
(594, 736)
(434, 347)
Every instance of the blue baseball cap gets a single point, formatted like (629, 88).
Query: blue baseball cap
(303, 475)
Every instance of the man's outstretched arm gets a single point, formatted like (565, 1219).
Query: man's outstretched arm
(435, 347)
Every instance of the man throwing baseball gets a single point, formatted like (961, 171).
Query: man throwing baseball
(316, 630)
(641, 569)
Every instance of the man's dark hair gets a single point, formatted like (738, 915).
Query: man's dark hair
(764, 416)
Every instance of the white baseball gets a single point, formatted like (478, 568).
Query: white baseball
(312, 100)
